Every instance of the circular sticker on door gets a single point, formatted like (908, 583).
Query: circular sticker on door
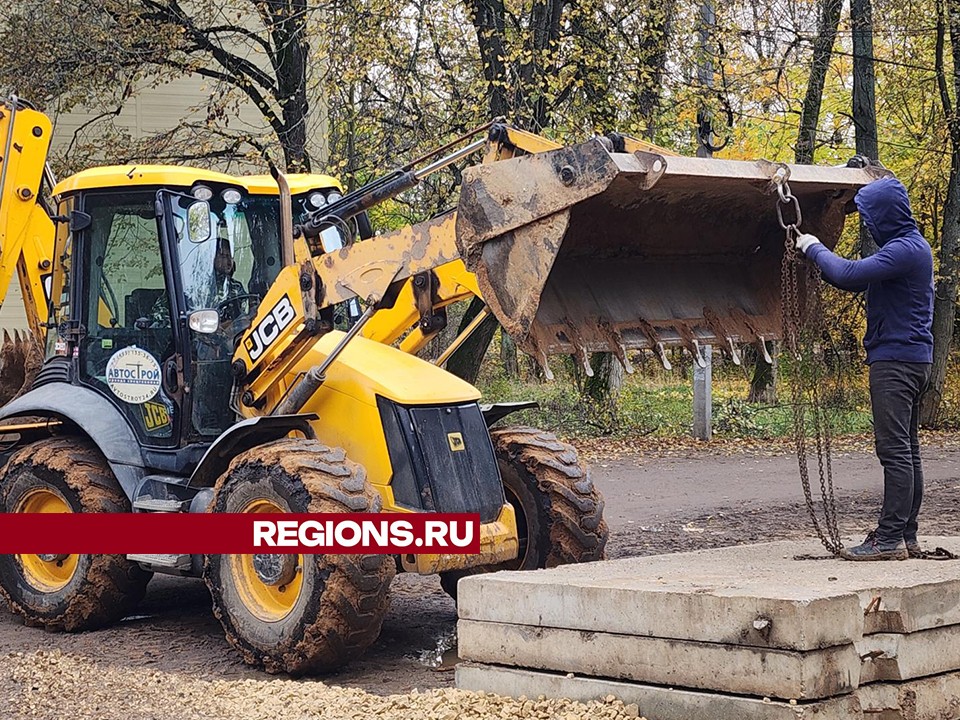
(133, 375)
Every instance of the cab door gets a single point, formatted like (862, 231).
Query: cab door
(129, 339)
(226, 251)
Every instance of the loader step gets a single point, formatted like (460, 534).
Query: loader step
(178, 562)
(149, 504)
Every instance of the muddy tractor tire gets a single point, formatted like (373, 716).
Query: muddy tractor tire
(559, 511)
(66, 592)
(298, 614)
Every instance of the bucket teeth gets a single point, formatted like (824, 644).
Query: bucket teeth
(734, 351)
(544, 366)
(615, 340)
(661, 353)
(655, 343)
(584, 359)
(579, 348)
(20, 361)
(692, 344)
(697, 352)
(547, 372)
(541, 359)
(717, 328)
(762, 347)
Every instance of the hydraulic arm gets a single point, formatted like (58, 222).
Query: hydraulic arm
(601, 246)
(26, 230)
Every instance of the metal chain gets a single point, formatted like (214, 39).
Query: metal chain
(803, 329)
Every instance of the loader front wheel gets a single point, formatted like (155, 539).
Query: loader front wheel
(559, 511)
(66, 592)
(298, 614)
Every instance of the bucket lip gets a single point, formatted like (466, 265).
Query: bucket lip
(496, 198)
(819, 176)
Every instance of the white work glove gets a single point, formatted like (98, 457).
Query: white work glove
(806, 241)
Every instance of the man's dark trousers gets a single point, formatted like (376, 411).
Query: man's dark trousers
(895, 391)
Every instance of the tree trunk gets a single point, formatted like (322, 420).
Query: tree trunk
(763, 384)
(654, 48)
(864, 97)
(764, 375)
(615, 378)
(531, 101)
(607, 380)
(289, 35)
(945, 300)
(488, 21)
(508, 355)
(822, 52)
(466, 360)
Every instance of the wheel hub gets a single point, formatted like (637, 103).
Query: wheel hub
(269, 584)
(275, 570)
(46, 572)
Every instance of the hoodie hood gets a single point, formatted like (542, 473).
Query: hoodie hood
(885, 209)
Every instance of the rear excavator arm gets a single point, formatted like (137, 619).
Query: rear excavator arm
(26, 230)
(603, 245)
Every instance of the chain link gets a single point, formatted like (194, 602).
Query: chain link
(803, 329)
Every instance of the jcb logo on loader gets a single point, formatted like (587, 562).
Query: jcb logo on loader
(155, 416)
(269, 329)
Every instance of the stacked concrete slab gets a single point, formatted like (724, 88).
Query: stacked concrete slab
(743, 632)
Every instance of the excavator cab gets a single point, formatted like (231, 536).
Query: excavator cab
(175, 262)
(172, 274)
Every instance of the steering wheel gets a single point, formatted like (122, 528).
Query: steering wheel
(232, 309)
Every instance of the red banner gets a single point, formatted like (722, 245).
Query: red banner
(248, 533)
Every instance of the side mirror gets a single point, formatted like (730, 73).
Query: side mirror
(79, 221)
(198, 222)
(332, 238)
(205, 322)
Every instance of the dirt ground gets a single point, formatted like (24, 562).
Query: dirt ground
(688, 500)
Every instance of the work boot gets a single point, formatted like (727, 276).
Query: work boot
(913, 547)
(873, 548)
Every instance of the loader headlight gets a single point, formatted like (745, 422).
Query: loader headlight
(333, 196)
(202, 192)
(317, 199)
(204, 321)
(231, 196)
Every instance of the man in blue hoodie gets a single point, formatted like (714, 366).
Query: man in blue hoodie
(898, 280)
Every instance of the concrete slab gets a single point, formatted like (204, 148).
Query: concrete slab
(914, 607)
(763, 672)
(891, 656)
(932, 698)
(753, 595)
(656, 703)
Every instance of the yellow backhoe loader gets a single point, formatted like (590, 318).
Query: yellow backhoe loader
(191, 361)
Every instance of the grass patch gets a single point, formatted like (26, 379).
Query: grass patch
(662, 405)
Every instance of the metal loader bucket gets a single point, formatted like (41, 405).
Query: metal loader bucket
(580, 250)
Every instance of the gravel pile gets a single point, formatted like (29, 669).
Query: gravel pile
(53, 685)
